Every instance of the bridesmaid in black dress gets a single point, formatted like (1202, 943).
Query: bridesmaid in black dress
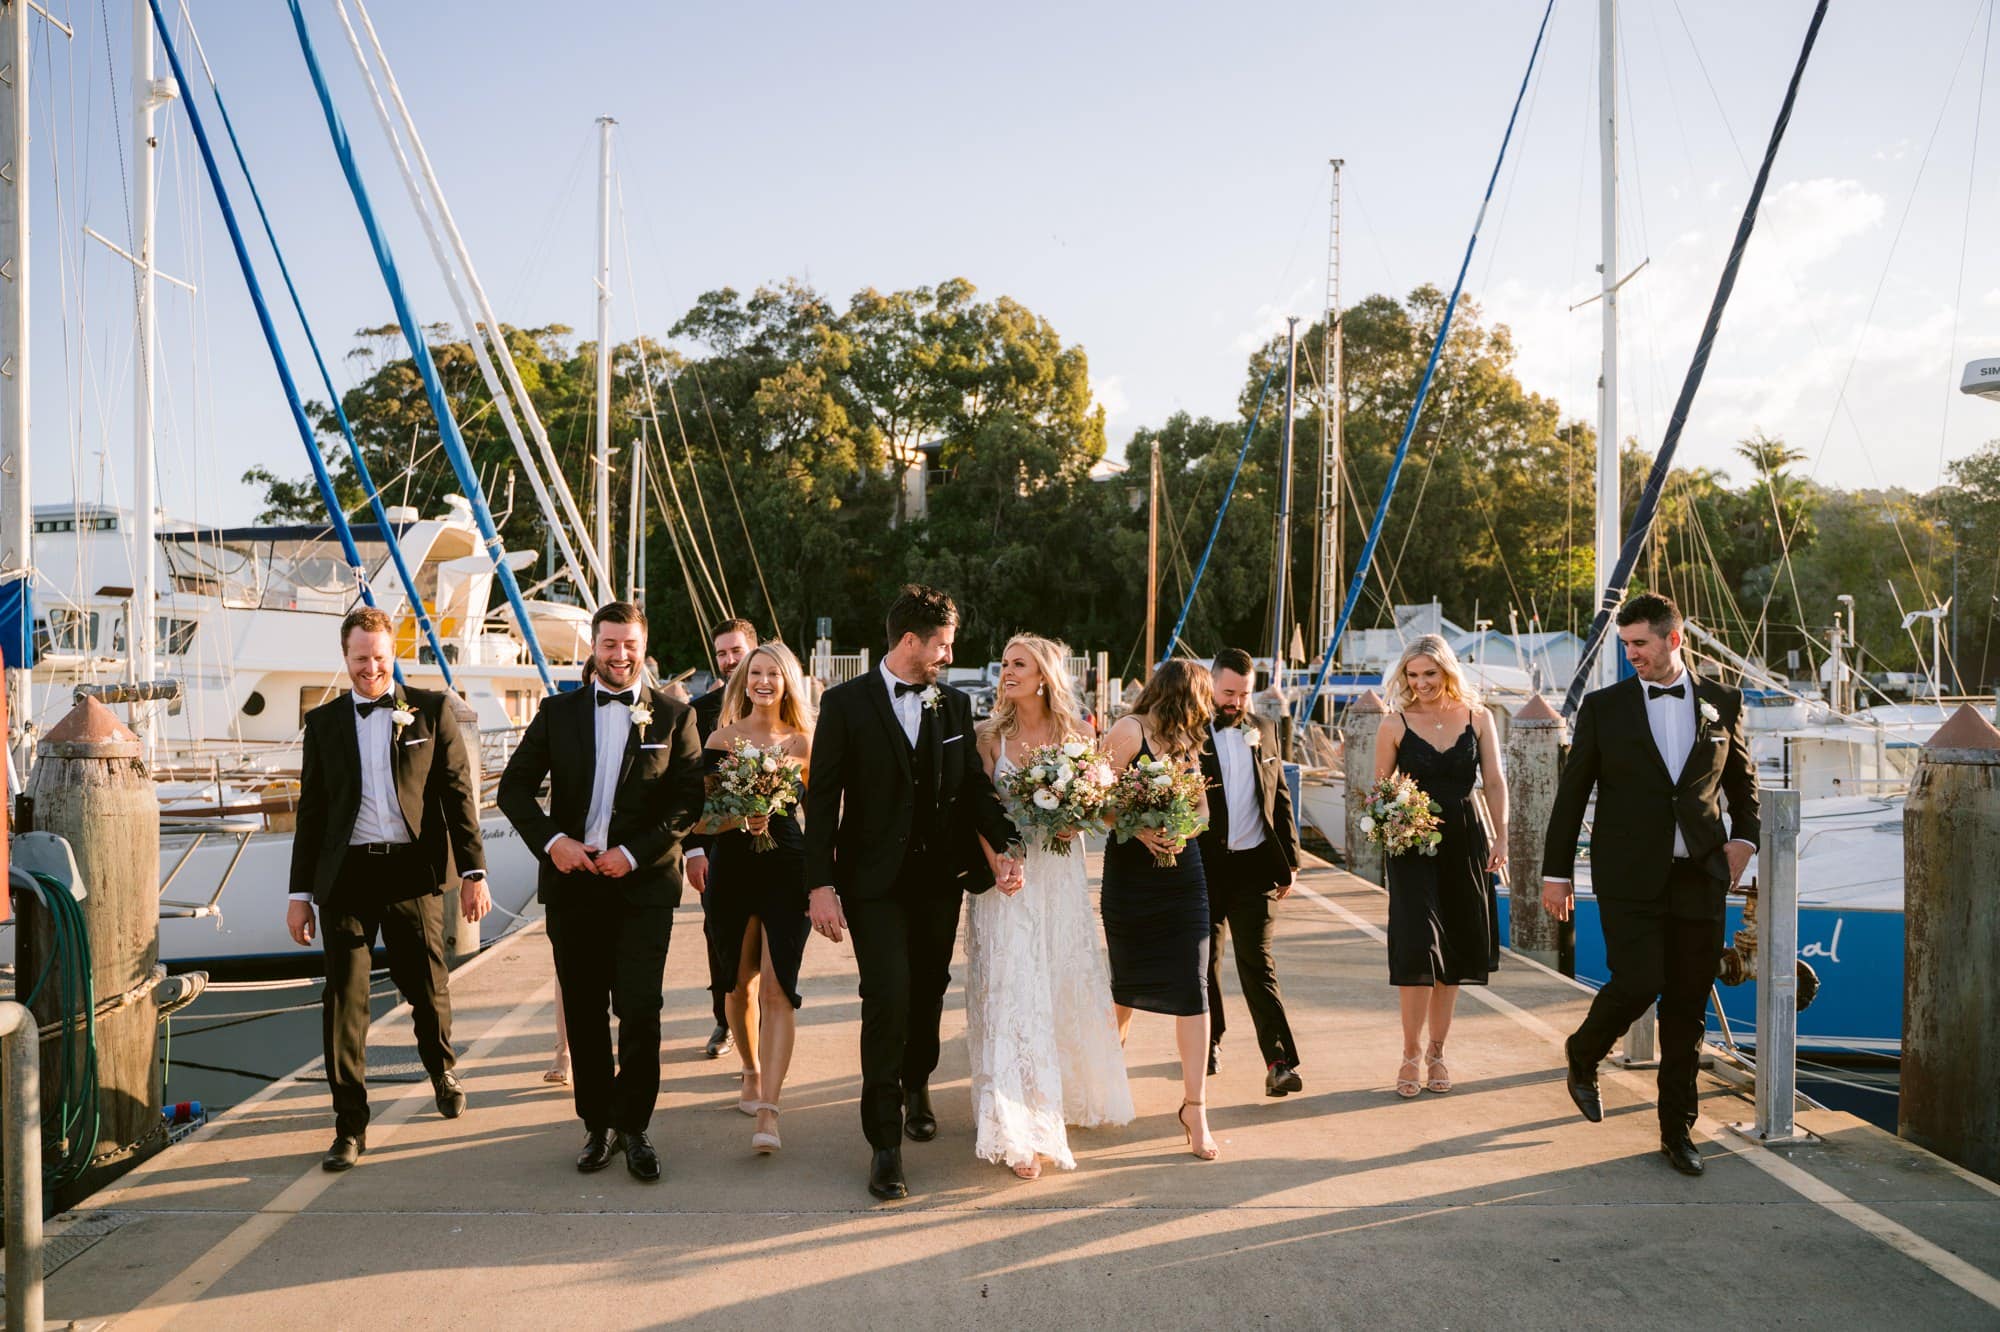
(756, 900)
(1156, 919)
(1441, 926)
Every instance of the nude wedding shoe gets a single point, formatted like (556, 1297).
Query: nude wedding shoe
(744, 1104)
(1407, 1085)
(1437, 1078)
(1199, 1154)
(765, 1144)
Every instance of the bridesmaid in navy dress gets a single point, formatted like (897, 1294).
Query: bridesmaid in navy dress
(1441, 926)
(1156, 918)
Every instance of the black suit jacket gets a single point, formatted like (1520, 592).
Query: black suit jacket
(858, 809)
(1638, 805)
(707, 720)
(1280, 846)
(433, 774)
(657, 801)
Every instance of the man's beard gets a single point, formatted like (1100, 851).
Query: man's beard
(1228, 716)
(604, 673)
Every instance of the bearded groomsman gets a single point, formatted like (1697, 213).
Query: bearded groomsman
(1665, 753)
(732, 642)
(1250, 854)
(624, 770)
(385, 794)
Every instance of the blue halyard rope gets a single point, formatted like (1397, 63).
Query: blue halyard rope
(1355, 585)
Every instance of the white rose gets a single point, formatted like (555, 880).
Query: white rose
(1046, 799)
(402, 716)
(1074, 749)
(1708, 712)
(1367, 824)
(1253, 737)
(1038, 773)
(1165, 779)
(770, 765)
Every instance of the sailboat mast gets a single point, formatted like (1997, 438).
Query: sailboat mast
(604, 124)
(632, 528)
(1607, 384)
(1332, 400)
(17, 515)
(147, 96)
(1152, 560)
(1282, 547)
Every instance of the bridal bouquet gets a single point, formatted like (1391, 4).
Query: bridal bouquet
(1057, 789)
(748, 782)
(1401, 819)
(1161, 794)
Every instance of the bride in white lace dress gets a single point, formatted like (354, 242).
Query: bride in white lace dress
(1039, 1021)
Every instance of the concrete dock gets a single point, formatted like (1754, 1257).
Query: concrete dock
(1495, 1205)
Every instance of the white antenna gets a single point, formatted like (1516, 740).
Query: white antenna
(604, 124)
(1607, 384)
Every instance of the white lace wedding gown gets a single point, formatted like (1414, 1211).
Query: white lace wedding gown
(1039, 1025)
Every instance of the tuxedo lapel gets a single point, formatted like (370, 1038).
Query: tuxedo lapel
(1699, 752)
(583, 740)
(877, 690)
(1218, 794)
(930, 722)
(631, 740)
(347, 743)
(407, 772)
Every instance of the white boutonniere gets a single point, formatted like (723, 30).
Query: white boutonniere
(932, 698)
(401, 716)
(642, 717)
(1708, 712)
(1252, 736)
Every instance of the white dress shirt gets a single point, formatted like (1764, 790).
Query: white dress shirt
(614, 727)
(1239, 787)
(1674, 730)
(908, 707)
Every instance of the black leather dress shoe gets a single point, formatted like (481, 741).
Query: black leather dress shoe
(596, 1153)
(641, 1161)
(885, 1174)
(450, 1095)
(346, 1150)
(720, 1042)
(1281, 1079)
(1214, 1060)
(1583, 1088)
(1681, 1153)
(918, 1120)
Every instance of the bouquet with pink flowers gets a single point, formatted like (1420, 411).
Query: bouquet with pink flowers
(1401, 819)
(1056, 790)
(749, 782)
(1161, 794)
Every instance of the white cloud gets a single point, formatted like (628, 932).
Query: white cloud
(1109, 393)
(1269, 321)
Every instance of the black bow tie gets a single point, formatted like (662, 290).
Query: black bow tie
(628, 698)
(362, 707)
(904, 687)
(1666, 691)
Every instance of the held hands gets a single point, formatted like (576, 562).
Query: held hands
(1558, 898)
(823, 908)
(300, 923)
(1008, 875)
(573, 857)
(473, 900)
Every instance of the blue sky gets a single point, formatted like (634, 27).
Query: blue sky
(1151, 178)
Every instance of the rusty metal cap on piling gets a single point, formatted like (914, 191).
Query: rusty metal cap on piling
(1370, 701)
(90, 730)
(1966, 737)
(1538, 713)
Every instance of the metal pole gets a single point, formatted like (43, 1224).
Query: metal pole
(1332, 401)
(147, 95)
(639, 523)
(21, 1140)
(1282, 556)
(1607, 405)
(1153, 560)
(17, 517)
(1778, 967)
(604, 124)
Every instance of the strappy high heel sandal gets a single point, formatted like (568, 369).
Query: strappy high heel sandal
(762, 1143)
(558, 1072)
(1437, 1078)
(1032, 1170)
(1407, 1085)
(1200, 1155)
(745, 1102)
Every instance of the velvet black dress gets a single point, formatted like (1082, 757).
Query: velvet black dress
(1440, 924)
(1156, 928)
(768, 885)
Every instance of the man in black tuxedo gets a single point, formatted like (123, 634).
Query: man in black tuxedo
(624, 771)
(732, 642)
(385, 795)
(1250, 855)
(1665, 752)
(894, 815)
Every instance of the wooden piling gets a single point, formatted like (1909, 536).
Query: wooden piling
(1951, 946)
(91, 788)
(1358, 730)
(461, 937)
(1533, 755)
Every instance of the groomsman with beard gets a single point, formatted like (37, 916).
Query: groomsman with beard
(1250, 854)
(732, 641)
(895, 811)
(623, 766)
(385, 792)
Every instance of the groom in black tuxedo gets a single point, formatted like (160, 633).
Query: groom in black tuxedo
(623, 766)
(385, 794)
(894, 816)
(1665, 752)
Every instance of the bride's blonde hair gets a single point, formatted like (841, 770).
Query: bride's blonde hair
(1050, 658)
(1456, 686)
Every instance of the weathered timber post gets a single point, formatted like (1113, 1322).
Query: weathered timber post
(1951, 946)
(1533, 754)
(1363, 721)
(91, 788)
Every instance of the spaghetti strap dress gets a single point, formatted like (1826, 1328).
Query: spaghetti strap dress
(1156, 928)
